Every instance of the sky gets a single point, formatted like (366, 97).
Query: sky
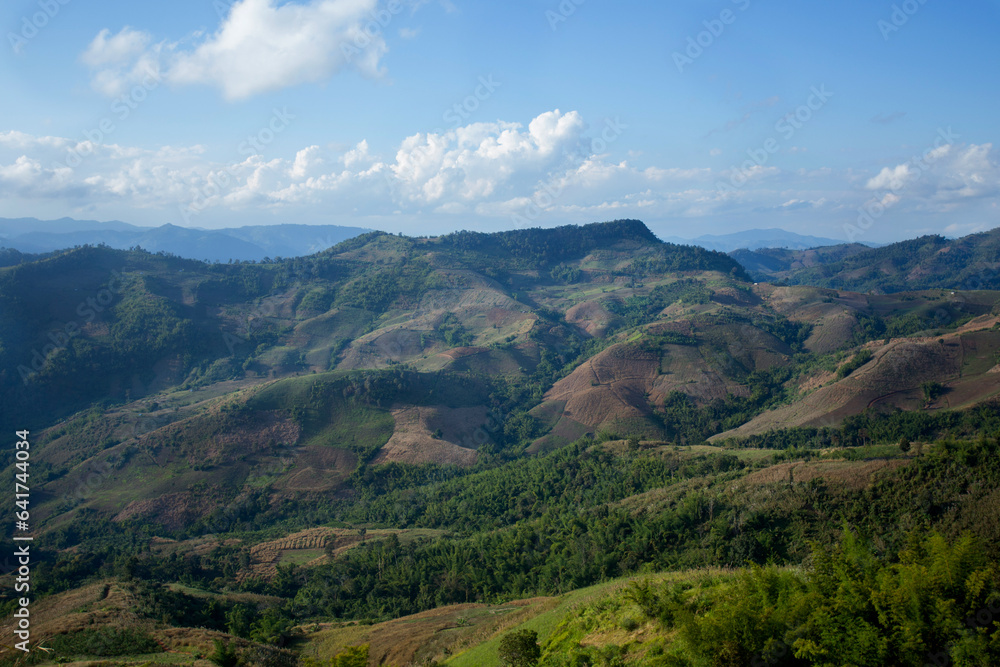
(857, 120)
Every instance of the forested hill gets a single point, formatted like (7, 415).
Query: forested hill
(929, 262)
(541, 248)
(770, 264)
(168, 316)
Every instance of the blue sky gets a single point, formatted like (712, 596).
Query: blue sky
(869, 121)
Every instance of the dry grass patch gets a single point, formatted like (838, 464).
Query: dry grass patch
(431, 635)
(850, 474)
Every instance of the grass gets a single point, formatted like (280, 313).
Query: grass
(749, 455)
(336, 423)
(299, 556)
(355, 427)
(144, 660)
(544, 623)
(548, 622)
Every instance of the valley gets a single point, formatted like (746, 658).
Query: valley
(412, 448)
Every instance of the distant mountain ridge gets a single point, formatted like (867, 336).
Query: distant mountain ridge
(754, 239)
(30, 235)
(34, 236)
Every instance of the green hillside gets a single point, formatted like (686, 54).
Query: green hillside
(928, 262)
(421, 444)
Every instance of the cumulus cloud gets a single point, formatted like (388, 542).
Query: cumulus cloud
(539, 172)
(464, 165)
(473, 161)
(261, 46)
(892, 178)
(307, 161)
(358, 155)
(969, 172)
(943, 175)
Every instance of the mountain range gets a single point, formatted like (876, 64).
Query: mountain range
(254, 243)
(754, 239)
(408, 450)
(30, 235)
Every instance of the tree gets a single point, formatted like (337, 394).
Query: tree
(238, 620)
(271, 628)
(224, 654)
(932, 390)
(520, 649)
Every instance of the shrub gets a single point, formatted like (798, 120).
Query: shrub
(105, 642)
(856, 362)
(932, 390)
(520, 649)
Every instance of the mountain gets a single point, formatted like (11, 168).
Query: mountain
(570, 332)
(408, 448)
(29, 235)
(771, 264)
(13, 227)
(929, 262)
(752, 239)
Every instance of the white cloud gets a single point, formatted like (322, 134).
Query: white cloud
(26, 177)
(307, 161)
(467, 164)
(943, 176)
(895, 178)
(261, 46)
(358, 155)
(969, 172)
(552, 129)
(21, 141)
(124, 60)
(797, 204)
(541, 171)
(473, 161)
(115, 50)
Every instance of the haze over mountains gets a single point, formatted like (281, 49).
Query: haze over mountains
(29, 235)
(754, 239)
